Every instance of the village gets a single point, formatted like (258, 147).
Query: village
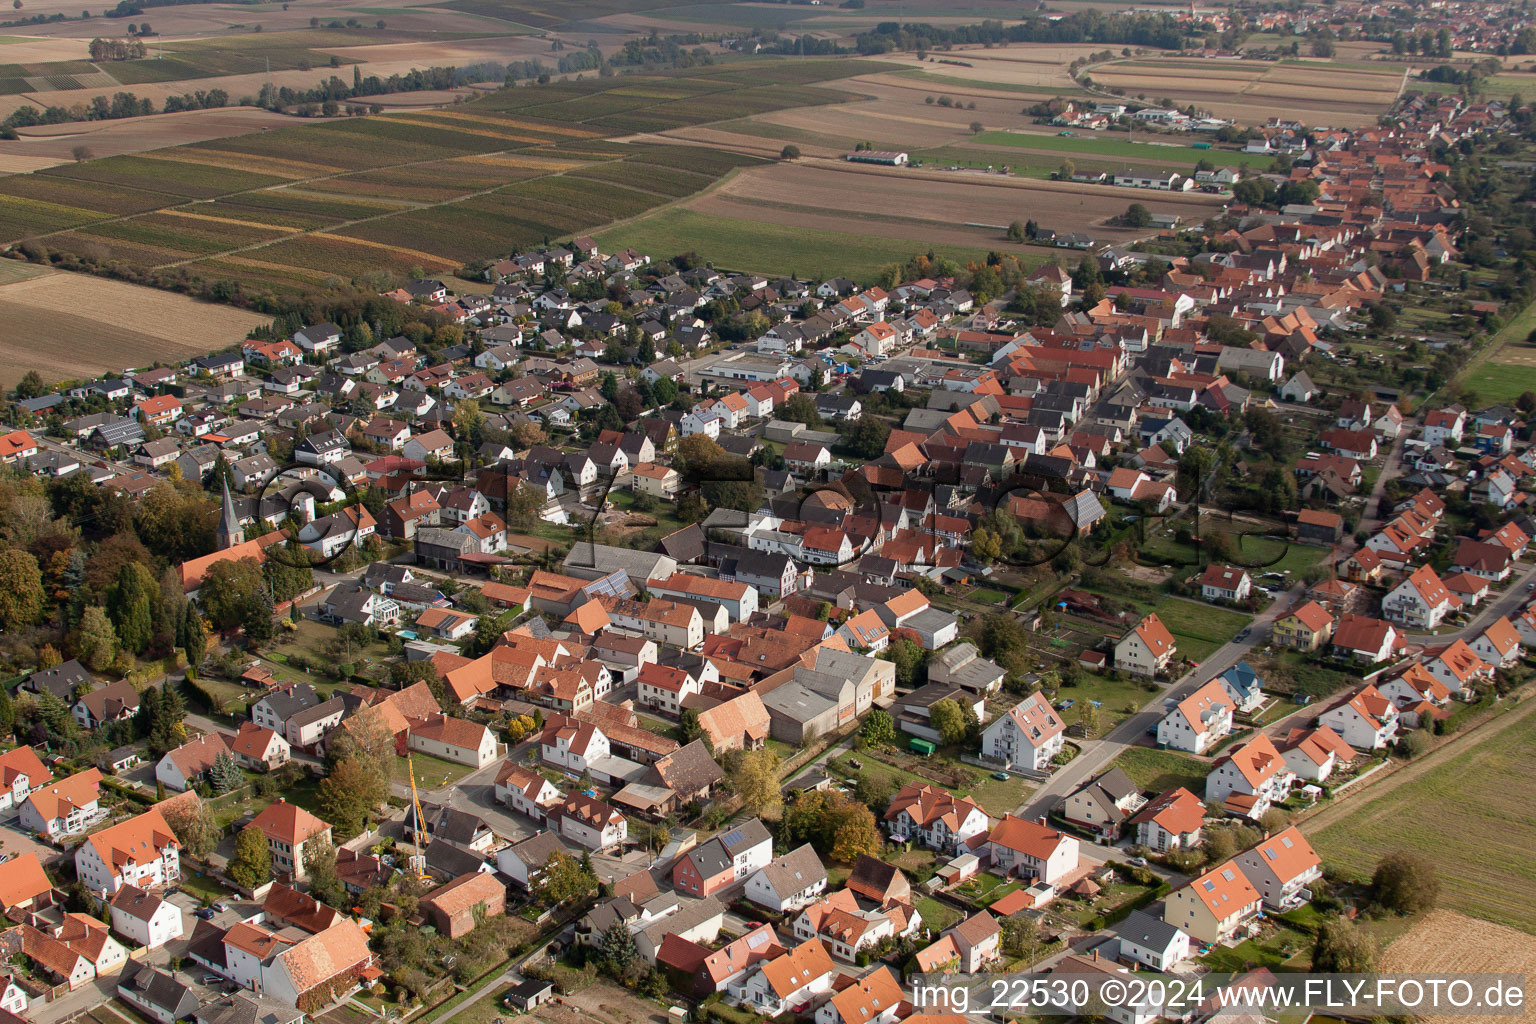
(741, 647)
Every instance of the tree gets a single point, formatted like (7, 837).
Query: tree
(95, 640)
(1016, 231)
(21, 589)
(225, 774)
(320, 869)
(1065, 171)
(349, 793)
(948, 721)
(196, 641)
(1136, 216)
(977, 128)
(856, 834)
(1021, 937)
(620, 958)
(31, 385)
(754, 776)
(194, 825)
(1341, 947)
(1322, 47)
(82, 153)
(230, 589)
(565, 880)
(129, 605)
(252, 863)
(867, 436)
(879, 728)
(1088, 718)
(790, 152)
(524, 505)
(801, 409)
(689, 726)
(873, 790)
(1405, 883)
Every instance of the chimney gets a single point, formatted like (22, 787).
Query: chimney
(1040, 820)
(1095, 952)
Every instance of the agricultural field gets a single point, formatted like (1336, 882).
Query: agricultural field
(1472, 808)
(429, 189)
(1509, 369)
(70, 326)
(765, 248)
(1106, 145)
(1340, 94)
(1444, 940)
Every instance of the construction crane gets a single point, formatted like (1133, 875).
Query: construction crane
(419, 858)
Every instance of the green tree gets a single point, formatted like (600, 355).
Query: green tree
(95, 640)
(565, 880)
(1016, 231)
(1341, 947)
(873, 790)
(252, 863)
(350, 792)
(194, 825)
(619, 956)
(320, 869)
(130, 606)
(801, 409)
(1405, 882)
(230, 589)
(879, 728)
(948, 721)
(866, 436)
(1136, 216)
(196, 640)
(21, 589)
(790, 152)
(225, 774)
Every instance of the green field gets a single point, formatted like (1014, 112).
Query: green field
(766, 248)
(1493, 378)
(1199, 628)
(1157, 771)
(1120, 148)
(1473, 812)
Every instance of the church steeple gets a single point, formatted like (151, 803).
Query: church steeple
(230, 531)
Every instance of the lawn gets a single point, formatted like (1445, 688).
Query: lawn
(767, 248)
(1121, 148)
(998, 798)
(1277, 945)
(1118, 699)
(1158, 771)
(986, 595)
(1473, 810)
(204, 887)
(1199, 628)
(1505, 373)
(431, 772)
(937, 916)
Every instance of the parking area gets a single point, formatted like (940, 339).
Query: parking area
(15, 841)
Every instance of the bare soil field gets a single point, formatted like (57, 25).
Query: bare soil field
(1024, 64)
(68, 326)
(220, 18)
(1445, 941)
(917, 204)
(47, 145)
(1315, 92)
(25, 48)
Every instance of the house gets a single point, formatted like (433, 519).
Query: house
(1365, 719)
(21, 770)
(144, 918)
(1147, 649)
(1215, 905)
(590, 822)
(1421, 601)
(259, 748)
(157, 993)
(64, 808)
(1314, 754)
(305, 971)
(1169, 822)
(1225, 583)
(1456, 666)
(456, 908)
(524, 862)
(111, 703)
(1305, 627)
(1319, 526)
(1146, 940)
(1251, 779)
(1102, 804)
(1444, 426)
(23, 883)
(1366, 640)
(876, 998)
(1492, 562)
(140, 851)
(1031, 850)
(454, 739)
(788, 883)
(73, 952)
(724, 859)
(1498, 644)
(847, 928)
(788, 983)
(1280, 867)
(964, 666)
(936, 817)
(179, 769)
(1029, 734)
(1198, 721)
(288, 829)
(1244, 686)
(978, 940)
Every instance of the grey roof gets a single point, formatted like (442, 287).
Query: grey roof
(1145, 930)
(60, 680)
(536, 850)
(158, 988)
(690, 914)
(247, 1009)
(588, 560)
(796, 871)
(319, 711)
(744, 837)
(457, 826)
(689, 769)
(710, 859)
(452, 862)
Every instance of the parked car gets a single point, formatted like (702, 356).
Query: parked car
(204, 913)
(220, 907)
(1140, 862)
(1000, 776)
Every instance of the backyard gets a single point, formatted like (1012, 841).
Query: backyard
(1200, 629)
(1157, 771)
(431, 772)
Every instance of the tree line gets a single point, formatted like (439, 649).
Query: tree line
(116, 49)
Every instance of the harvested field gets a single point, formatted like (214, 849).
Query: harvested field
(927, 199)
(47, 145)
(69, 326)
(1317, 92)
(1445, 941)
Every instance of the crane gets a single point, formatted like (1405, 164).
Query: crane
(419, 858)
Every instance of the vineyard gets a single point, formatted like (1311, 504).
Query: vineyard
(284, 209)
